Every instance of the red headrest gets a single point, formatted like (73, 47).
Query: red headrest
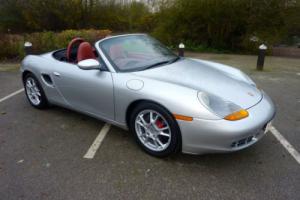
(75, 41)
(85, 51)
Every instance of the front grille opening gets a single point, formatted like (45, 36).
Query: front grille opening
(243, 141)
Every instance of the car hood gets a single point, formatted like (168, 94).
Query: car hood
(204, 76)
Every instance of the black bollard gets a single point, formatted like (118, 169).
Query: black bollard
(181, 50)
(261, 57)
(28, 48)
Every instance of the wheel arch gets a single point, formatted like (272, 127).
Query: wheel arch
(44, 99)
(24, 74)
(135, 103)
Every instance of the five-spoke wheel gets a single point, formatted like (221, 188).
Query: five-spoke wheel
(34, 91)
(155, 129)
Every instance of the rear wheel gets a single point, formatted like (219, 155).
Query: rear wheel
(34, 92)
(155, 130)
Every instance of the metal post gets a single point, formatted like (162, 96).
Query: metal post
(261, 57)
(181, 50)
(28, 48)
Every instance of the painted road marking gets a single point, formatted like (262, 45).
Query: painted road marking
(11, 95)
(285, 144)
(97, 142)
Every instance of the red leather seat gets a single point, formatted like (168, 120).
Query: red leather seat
(70, 56)
(85, 51)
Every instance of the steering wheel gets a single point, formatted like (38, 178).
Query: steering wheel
(117, 58)
(132, 62)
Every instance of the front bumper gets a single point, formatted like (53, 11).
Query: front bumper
(208, 136)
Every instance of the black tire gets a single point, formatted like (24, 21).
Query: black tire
(43, 99)
(175, 143)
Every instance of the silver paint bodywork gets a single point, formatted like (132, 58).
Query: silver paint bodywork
(107, 95)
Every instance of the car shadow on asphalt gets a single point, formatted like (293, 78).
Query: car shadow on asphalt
(120, 144)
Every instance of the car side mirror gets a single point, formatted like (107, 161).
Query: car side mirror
(89, 64)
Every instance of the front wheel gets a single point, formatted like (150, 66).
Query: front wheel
(155, 130)
(34, 92)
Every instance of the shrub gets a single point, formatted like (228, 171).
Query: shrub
(12, 44)
(90, 35)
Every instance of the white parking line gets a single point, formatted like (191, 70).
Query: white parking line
(285, 144)
(97, 142)
(11, 95)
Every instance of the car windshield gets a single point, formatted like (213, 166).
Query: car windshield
(136, 52)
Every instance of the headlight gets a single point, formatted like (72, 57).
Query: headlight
(222, 108)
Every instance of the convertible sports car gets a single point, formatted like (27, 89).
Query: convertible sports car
(169, 103)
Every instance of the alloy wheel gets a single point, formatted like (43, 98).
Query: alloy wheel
(33, 92)
(153, 130)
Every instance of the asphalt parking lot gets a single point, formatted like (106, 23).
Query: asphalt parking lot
(42, 152)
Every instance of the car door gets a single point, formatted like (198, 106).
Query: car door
(89, 91)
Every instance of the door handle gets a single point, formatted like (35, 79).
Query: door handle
(56, 74)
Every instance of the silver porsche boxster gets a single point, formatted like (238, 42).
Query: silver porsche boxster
(169, 103)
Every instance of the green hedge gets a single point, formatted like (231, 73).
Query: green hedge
(12, 45)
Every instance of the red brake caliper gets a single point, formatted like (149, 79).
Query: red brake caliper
(159, 124)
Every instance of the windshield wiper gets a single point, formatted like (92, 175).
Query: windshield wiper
(157, 64)
(162, 62)
(173, 60)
